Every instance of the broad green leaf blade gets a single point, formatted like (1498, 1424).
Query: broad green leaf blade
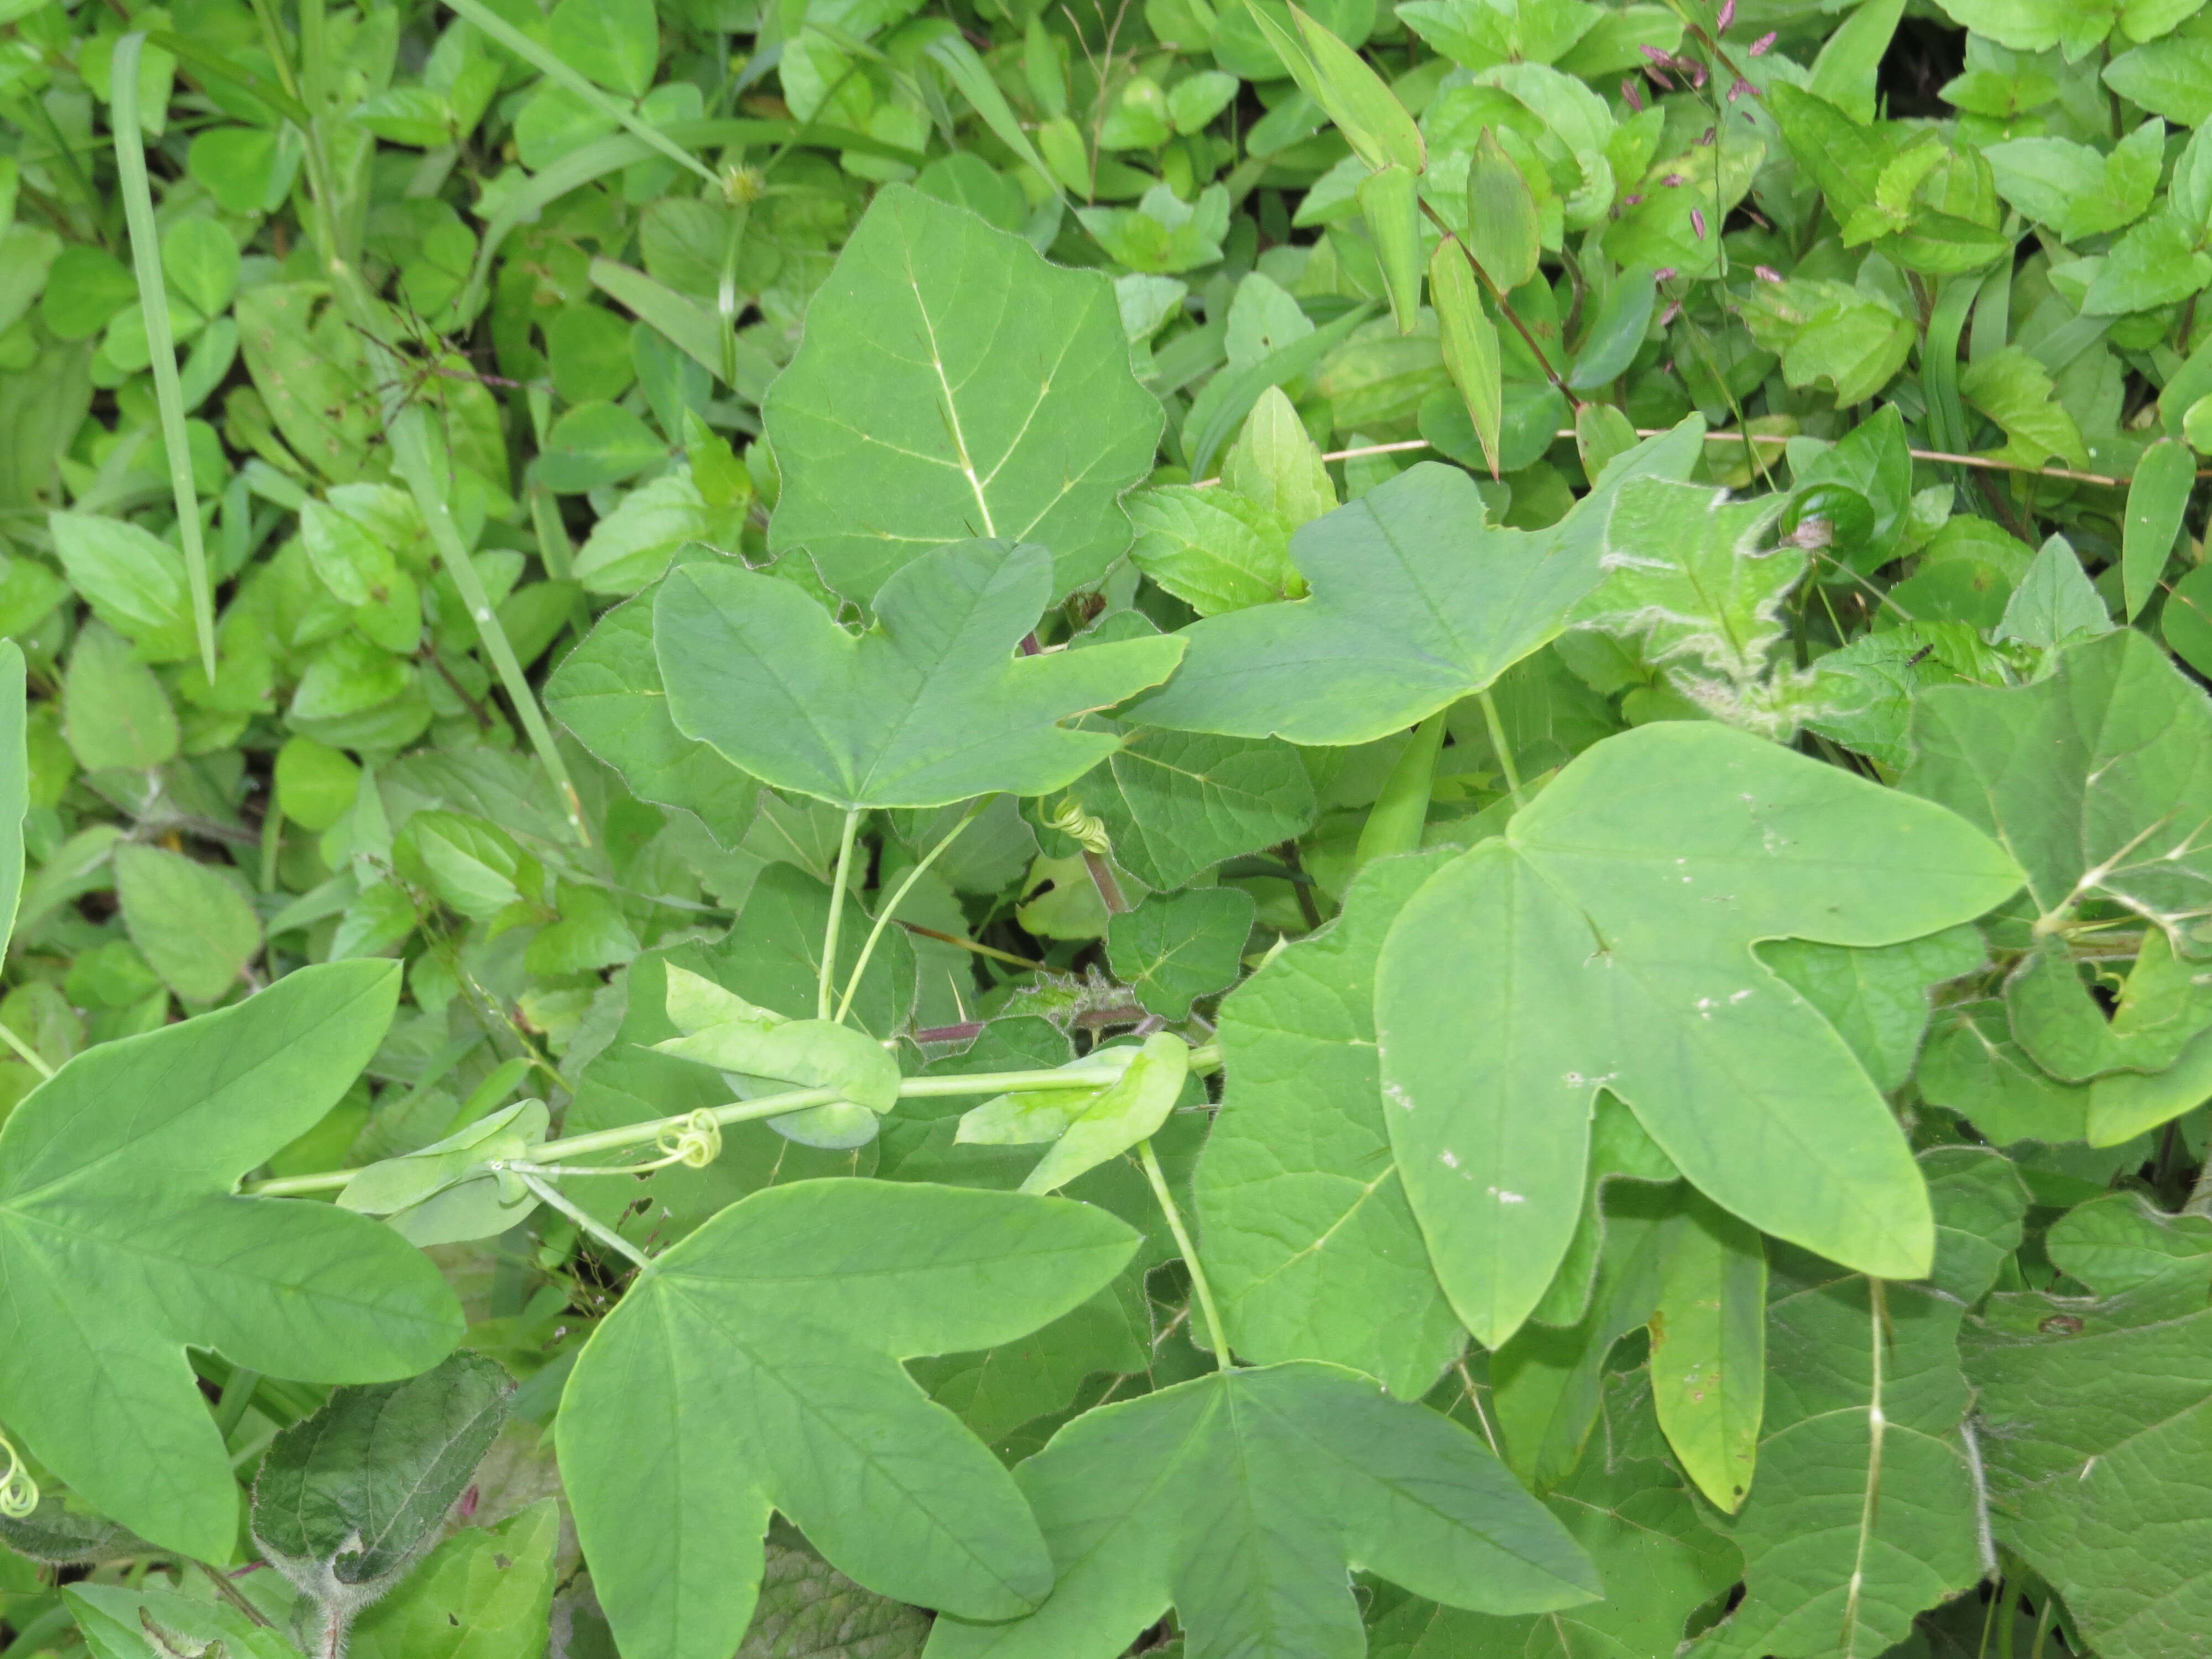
(1117, 1118)
(120, 1624)
(1606, 942)
(122, 1241)
(1305, 1230)
(1176, 804)
(1416, 602)
(1240, 1499)
(194, 925)
(608, 692)
(1878, 998)
(350, 1494)
(1659, 1561)
(482, 1594)
(931, 705)
(722, 1030)
(2097, 779)
(951, 384)
(2096, 1409)
(1176, 947)
(754, 1366)
(1865, 1513)
(1708, 1349)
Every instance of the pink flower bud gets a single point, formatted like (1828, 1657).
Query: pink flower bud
(1766, 273)
(1727, 17)
(1631, 96)
(1631, 201)
(1664, 274)
(1655, 55)
(1698, 222)
(1674, 310)
(1760, 45)
(1741, 88)
(1673, 181)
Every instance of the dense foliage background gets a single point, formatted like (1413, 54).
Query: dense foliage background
(1557, 455)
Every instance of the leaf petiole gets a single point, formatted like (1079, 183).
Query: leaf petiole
(890, 907)
(828, 976)
(1198, 1280)
(550, 1195)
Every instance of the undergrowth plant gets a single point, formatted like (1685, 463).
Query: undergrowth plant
(1048, 831)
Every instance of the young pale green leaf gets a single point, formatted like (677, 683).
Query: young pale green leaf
(1416, 602)
(1469, 341)
(1119, 1117)
(1709, 1348)
(2055, 603)
(755, 1367)
(952, 383)
(117, 1200)
(929, 707)
(1307, 1238)
(126, 1624)
(1607, 940)
(1215, 549)
(1034, 1117)
(2165, 479)
(608, 692)
(1617, 334)
(1504, 232)
(347, 1498)
(442, 1194)
(484, 1593)
(1390, 201)
(1240, 1498)
(1878, 998)
(722, 1030)
(1276, 463)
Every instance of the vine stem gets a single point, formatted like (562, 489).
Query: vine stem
(550, 1195)
(1870, 1505)
(748, 1111)
(24, 1052)
(828, 976)
(1498, 743)
(1159, 1179)
(898, 897)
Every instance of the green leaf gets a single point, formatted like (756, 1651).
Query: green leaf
(1275, 463)
(1504, 232)
(1659, 1561)
(116, 1201)
(1114, 1119)
(596, 444)
(133, 581)
(1709, 1348)
(114, 712)
(1240, 1498)
(1469, 341)
(2160, 261)
(928, 707)
(614, 42)
(1878, 998)
(2055, 603)
(951, 384)
(442, 1193)
(1307, 1234)
(485, 1593)
(809, 1610)
(608, 692)
(1176, 947)
(2076, 190)
(2097, 779)
(195, 926)
(1215, 549)
(722, 1030)
(125, 1624)
(2095, 1409)
(2157, 496)
(2170, 77)
(347, 1498)
(1606, 938)
(1418, 601)
(1176, 804)
(1865, 1510)
(756, 1366)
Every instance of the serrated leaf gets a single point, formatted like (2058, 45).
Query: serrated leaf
(1176, 947)
(1306, 1235)
(1629, 895)
(348, 1496)
(117, 1197)
(195, 927)
(931, 705)
(809, 1610)
(951, 384)
(1240, 1498)
(1416, 602)
(754, 1366)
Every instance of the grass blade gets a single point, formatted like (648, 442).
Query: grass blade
(153, 300)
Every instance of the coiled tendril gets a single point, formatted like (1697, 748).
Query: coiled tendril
(19, 1493)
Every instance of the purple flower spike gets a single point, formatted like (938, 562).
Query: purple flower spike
(1633, 98)
(1698, 222)
(1766, 273)
(1728, 17)
(1758, 46)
